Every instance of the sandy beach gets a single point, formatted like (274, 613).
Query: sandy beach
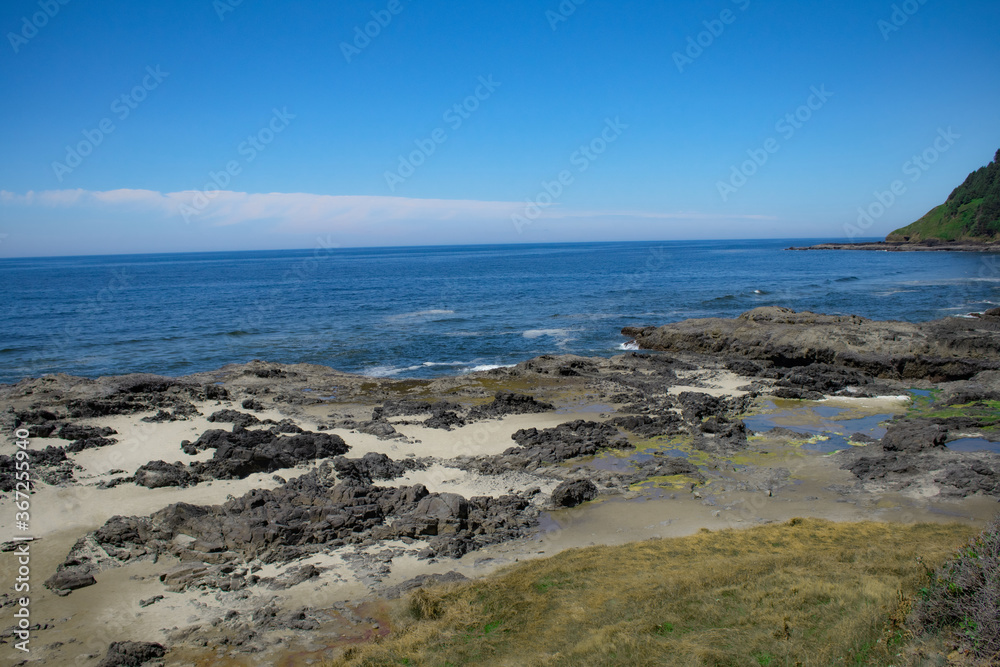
(508, 465)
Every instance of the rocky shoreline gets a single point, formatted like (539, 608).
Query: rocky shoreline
(927, 245)
(264, 509)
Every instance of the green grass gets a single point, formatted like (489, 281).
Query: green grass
(807, 592)
(938, 223)
(986, 413)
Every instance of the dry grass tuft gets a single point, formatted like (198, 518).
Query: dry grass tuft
(807, 592)
(963, 596)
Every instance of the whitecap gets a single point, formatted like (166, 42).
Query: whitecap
(631, 345)
(489, 367)
(562, 336)
(388, 371)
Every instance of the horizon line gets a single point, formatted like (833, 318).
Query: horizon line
(435, 245)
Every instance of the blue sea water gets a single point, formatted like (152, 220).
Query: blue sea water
(427, 311)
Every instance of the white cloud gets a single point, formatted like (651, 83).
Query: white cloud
(303, 212)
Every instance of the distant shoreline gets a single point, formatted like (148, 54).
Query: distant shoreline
(933, 246)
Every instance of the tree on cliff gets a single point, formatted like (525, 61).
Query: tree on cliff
(971, 212)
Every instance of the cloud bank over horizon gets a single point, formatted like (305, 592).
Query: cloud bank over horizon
(358, 220)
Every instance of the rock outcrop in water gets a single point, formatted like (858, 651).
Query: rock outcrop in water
(941, 350)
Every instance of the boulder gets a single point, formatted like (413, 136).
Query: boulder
(573, 492)
(131, 654)
(508, 403)
(70, 579)
(566, 441)
(914, 436)
(158, 474)
(236, 417)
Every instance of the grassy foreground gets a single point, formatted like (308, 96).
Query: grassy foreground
(807, 592)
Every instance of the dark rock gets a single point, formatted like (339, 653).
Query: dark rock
(397, 591)
(940, 350)
(444, 419)
(160, 417)
(746, 367)
(251, 404)
(439, 514)
(409, 407)
(648, 426)
(566, 441)
(727, 437)
(89, 443)
(80, 432)
(241, 453)
(796, 393)
(287, 426)
(566, 365)
(382, 429)
(51, 464)
(272, 372)
(697, 405)
(158, 474)
(70, 579)
(508, 403)
(236, 417)
(914, 436)
(295, 576)
(371, 466)
(971, 397)
(119, 531)
(972, 478)
(131, 654)
(572, 493)
(306, 515)
(214, 392)
(871, 468)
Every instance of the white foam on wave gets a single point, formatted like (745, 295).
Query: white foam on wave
(489, 367)
(538, 333)
(387, 371)
(390, 371)
(631, 345)
(561, 336)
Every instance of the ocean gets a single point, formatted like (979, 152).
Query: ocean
(429, 311)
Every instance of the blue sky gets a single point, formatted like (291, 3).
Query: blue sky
(253, 124)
